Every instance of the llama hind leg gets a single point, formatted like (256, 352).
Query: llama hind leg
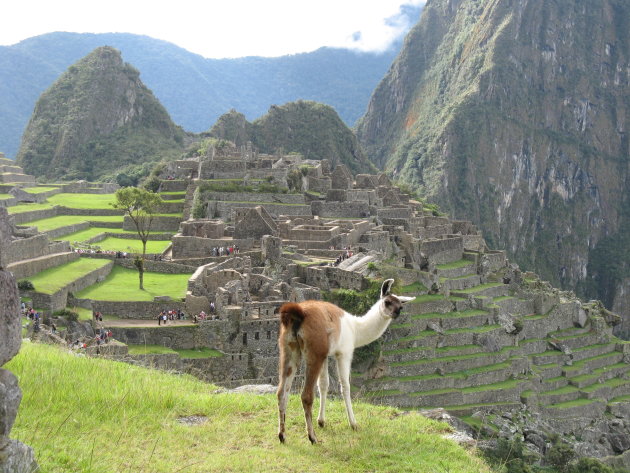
(289, 365)
(322, 386)
(313, 368)
(343, 371)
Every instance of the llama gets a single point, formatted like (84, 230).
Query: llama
(315, 330)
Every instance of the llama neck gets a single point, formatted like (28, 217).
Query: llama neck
(371, 326)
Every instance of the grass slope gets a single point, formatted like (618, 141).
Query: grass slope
(122, 285)
(93, 415)
(53, 279)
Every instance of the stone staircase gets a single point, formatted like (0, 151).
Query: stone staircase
(485, 342)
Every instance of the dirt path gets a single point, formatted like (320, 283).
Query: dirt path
(143, 323)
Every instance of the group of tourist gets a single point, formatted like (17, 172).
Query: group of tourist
(172, 315)
(98, 251)
(347, 253)
(225, 250)
(30, 313)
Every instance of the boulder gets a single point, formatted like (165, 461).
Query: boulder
(11, 396)
(10, 328)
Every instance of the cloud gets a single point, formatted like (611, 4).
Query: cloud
(223, 29)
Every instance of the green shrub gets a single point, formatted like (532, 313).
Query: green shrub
(590, 465)
(152, 183)
(70, 315)
(25, 285)
(559, 456)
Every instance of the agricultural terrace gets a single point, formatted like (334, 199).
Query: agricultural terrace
(122, 285)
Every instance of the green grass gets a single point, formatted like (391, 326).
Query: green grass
(83, 201)
(122, 285)
(150, 350)
(462, 263)
(97, 415)
(16, 209)
(464, 313)
(412, 288)
(39, 190)
(132, 246)
(199, 353)
(480, 288)
(5, 196)
(51, 280)
(577, 402)
(45, 224)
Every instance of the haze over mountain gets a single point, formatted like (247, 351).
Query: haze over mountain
(514, 113)
(194, 90)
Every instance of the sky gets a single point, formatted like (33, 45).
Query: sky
(219, 28)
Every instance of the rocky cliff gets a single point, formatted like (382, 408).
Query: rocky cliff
(97, 117)
(514, 113)
(309, 128)
(15, 457)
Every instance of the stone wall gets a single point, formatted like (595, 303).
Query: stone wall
(33, 247)
(59, 299)
(195, 247)
(160, 224)
(143, 310)
(24, 217)
(218, 209)
(440, 251)
(66, 230)
(261, 197)
(340, 209)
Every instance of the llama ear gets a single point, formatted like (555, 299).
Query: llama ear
(386, 288)
(404, 299)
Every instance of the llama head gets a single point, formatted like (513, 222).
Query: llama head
(392, 304)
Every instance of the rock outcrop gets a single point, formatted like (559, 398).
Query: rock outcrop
(15, 457)
(514, 113)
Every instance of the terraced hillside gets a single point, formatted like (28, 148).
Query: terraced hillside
(498, 342)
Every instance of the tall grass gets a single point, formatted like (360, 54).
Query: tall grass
(93, 415)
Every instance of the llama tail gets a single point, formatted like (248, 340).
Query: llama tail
(292, 316)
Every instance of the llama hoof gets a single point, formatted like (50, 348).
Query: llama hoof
(355, 427)
(321, 422)
(281, 437)
(313, 439)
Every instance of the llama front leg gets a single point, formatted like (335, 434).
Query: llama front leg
(289, 365)
(343, 372)
(322, 385)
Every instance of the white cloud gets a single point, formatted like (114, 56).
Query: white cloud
(219, 28)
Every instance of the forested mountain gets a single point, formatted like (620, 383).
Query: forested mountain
(194, 90)
(97, 118)
(514, 113)
(309, 128)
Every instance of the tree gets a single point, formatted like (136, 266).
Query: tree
(140, 205)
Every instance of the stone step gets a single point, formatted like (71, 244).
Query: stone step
(29, 267)
(548, 371)
(588, 365)
(514, 305)
(451, 338)
(488, 290)
(582, 339)
(549, 356)
(610, 389)
(449, 364)
(475, 377)
(562, 394)
(451, 320)
(589, 351)
(600, 374)
(551, 384)
(456, 269)
(178, 185)
(503, 391)
(469, 409)
(410, 354)
(460, 283)
(579, 408)
(430, 303)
